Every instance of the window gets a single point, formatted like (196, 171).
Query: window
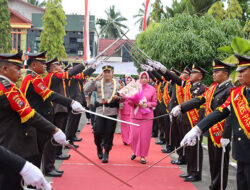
(16, 35)
(72, 40)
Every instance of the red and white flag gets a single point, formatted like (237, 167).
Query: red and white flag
(86, 32)
(146, 14)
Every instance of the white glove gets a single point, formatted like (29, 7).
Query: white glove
(90, 61)
(96, 64)
(150, 62)
(176, 111)
(33, 176)
(224, 143)
(60, 137)
(77, 107)
(149, 68)
(191, 137)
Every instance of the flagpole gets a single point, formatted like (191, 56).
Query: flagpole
(85, 50)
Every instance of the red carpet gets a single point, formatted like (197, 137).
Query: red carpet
(79, 174)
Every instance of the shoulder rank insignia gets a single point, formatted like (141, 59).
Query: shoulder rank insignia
(5, 83)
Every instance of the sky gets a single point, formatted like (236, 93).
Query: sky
(128, 8)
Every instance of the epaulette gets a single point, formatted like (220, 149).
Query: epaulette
(32, 73)
(5, 83)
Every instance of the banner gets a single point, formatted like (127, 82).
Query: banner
(146, 14)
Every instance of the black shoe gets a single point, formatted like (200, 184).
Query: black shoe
(53, 173)
(160, 142)
(178, 162)
(74, 146)
(63, 157)
(59, 171)
(192, 179)
(143, 161)
(184, 175)
(169, 149)
(99, 152)
(133, 157)
(75, 139)
(105, 158)
(125, 143)
(78, 130)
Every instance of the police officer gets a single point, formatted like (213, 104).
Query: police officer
(237, 106)
(192, 88)
(19, 123)
(214, 97)
(40, 98)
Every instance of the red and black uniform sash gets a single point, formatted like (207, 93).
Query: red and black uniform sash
(215, 131)
(39, 86)
(18, 102)
(159, 92)
(193, 115)
(241, 109)
(166, 97)
(61, 75)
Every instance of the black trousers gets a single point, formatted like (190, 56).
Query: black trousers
(60, 122)
(215, 155)
(191, 157)
(92, 116)
(177, 136)
(243, 176)
(72, 125)
(104, 132)
(155, 126)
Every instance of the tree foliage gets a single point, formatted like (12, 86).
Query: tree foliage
(186, 39)
(157, 12)
(234, 10)
(37, 3)
(53, 32)
(112, 27)
(5, 28)
(217, 11)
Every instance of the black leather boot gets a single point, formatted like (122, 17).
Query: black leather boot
(105, 157)
(99, 152)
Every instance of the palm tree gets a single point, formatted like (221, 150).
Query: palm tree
(112, 26)
(37, 3)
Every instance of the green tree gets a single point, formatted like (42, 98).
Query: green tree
(177, 7)
(234, 10)
(5, 28)
(53, 32)
(112, 26)
(245, 5)
(37, 3)
(157, 12)
(140, 17)
(187, 39)
(247, 28)
(217, 11)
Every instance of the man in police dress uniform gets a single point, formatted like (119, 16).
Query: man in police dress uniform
(19, 123)
(214, 97)
(237, 106)
(40, 98)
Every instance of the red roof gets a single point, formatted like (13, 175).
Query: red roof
(104, 43)
(20, 17)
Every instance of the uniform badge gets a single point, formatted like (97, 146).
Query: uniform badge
(40, 85)
(19, 102)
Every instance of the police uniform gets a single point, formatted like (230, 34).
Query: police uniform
(188, 120)
(237, 106)
(76, 92)
(19, 123)
(177, 132)
(104, 128)
(40, 98)
(214, 97)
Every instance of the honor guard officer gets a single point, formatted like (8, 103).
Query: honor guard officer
(76, 93)
(107, 103)
(40, 98)
(237, 106)
(176, 99)
(214, 97)
(19, 123)
(192, 88)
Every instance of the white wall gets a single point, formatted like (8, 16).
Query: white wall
(23, 9)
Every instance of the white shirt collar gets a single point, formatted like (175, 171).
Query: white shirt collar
(6, 78)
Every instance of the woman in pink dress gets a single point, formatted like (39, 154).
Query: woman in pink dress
(125, 110)
(141, 135)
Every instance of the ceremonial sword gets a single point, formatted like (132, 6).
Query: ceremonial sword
(141, 172)
(222, 168)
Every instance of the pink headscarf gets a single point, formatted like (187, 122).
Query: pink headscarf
(143, 73)
(128, 78)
